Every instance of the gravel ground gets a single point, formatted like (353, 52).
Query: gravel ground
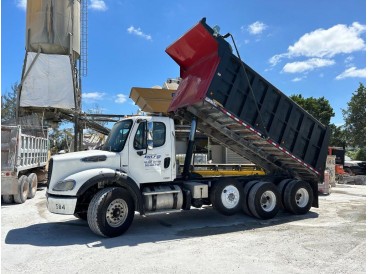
(331, 239)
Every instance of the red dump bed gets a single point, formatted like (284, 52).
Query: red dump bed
(197, 55)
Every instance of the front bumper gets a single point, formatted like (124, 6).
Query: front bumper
(61, 204)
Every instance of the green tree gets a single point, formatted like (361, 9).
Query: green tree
(9, 105)
(360, 155)
(319, 108)
(338, 136)
(61, 139)
(354, 116)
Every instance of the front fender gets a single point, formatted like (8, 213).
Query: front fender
(129, 184)
(120, 179)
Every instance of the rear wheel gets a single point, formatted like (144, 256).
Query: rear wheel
(298, 197)
(23, 187)
(111, 212)
(264, 200)
(246, 191)
(226, 197)
(8, 199)
(32, 178)
(281, 188)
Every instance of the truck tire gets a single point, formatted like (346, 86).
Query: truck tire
(298, 197)
(264, 200)
(281, 188)
(23, 187)
(8, 199)
(111, 212)
(226, 196)
(248, 186)
(32, 179)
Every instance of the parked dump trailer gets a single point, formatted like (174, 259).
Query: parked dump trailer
(23, 160)
(225, 99)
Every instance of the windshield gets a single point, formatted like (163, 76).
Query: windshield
(119, 134)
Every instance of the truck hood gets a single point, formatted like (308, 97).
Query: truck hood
(83, 154)
(68, 164)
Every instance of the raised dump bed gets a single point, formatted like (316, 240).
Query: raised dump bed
(243, 111)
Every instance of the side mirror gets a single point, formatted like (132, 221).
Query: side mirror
(150, 135)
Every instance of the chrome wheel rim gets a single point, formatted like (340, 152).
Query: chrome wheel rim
(230, 197)
(302, 197)
(268, 201)
(117, 212)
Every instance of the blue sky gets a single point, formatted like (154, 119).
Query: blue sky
(315, 48)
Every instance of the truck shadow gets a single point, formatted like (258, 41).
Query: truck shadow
(151, 229)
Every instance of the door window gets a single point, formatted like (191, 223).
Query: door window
(159, 136)
(140, 140)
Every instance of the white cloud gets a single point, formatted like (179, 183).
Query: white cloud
(99, 5)
(352, 72)
(322, 43)
(93, 96)
(298, 79)
(274, 60)
(308, 65)
(256, 28)
(349, 59)
(139, 32)
(120, 98)
(22, 4)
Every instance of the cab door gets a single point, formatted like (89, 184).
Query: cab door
(153, 164)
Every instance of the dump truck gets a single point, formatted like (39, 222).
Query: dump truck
(221, 96)
(23, 162)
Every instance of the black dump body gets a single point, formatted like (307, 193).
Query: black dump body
(242, 110)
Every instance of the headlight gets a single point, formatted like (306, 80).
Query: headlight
(64, 185)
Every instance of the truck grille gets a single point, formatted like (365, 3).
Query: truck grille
(49, 172)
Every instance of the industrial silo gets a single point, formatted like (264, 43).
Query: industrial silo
(50, 76)
(53, 25)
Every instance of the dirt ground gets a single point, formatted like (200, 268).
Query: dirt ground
(330, 239)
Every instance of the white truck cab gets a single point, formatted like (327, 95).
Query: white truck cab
(139, 150)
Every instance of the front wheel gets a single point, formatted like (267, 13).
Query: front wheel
(111, 212)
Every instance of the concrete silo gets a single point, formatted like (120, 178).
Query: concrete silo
(50, 78)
